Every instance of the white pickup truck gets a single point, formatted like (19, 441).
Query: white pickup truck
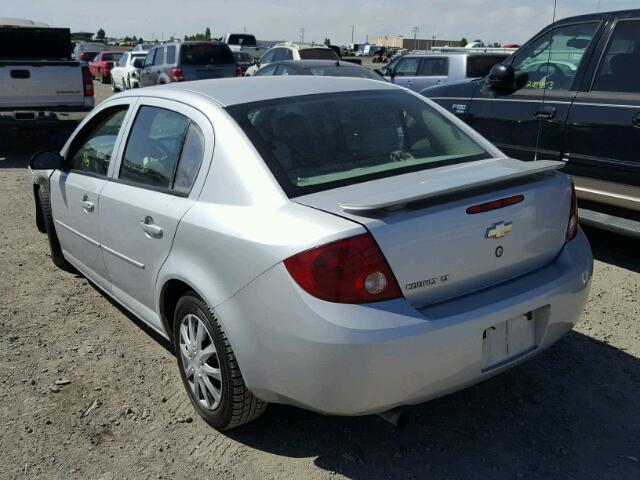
(39, 83)
(244, 42)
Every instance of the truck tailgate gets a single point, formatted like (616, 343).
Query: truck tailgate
(30, 84)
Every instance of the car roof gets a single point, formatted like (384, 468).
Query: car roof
(235, 91)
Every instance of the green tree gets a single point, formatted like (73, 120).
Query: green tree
(100, 34)
(207, 33)
(464, 41)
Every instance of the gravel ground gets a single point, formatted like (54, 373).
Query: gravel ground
(88, 392)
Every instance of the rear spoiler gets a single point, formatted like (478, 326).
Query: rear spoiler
(450, 180)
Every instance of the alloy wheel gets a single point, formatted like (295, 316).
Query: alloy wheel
(200, 362)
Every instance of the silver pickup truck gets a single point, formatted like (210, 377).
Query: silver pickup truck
(244, 42)
(39, 83)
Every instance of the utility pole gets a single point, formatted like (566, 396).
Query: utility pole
(244, 29)
(302, 35)
(415, 31)
(353, 30)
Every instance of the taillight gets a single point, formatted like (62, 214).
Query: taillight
(238, 71)
(352, 270)
(87, 82)
(176, 74)
(495, 204)
(572, 226)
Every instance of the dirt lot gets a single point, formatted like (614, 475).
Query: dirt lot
(88, 392)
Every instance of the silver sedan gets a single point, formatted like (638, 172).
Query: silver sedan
(343, 245)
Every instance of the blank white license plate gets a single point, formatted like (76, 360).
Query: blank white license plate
(508, 340)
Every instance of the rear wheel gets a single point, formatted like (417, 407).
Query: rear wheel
(103, 78)
(209, 369)
(54, 243)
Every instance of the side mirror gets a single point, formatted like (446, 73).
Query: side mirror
(500, 77)
(49, 159)
(138, 63)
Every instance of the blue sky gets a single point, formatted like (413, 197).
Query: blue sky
(490, 20)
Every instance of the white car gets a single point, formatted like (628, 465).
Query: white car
(126, 73)
(339, 244)
(292, 51)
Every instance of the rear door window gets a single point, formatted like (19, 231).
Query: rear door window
(205, 54)
(171, 55)
(434, 67)
(159, 57)
(164, 151)
(619, 69)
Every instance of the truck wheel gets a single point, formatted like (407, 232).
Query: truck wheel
(209, 369)
(54, 243)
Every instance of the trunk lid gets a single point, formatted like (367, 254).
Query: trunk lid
(439, 251)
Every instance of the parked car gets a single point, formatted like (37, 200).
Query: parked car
(295, 52)
(180, 62)
(418, 71)
(87, 51)
(39, 82)
(244, 42)
(126, 73)
(243, 60)
(571, 93)
(323, 68)
(336, 244)
(100, 67)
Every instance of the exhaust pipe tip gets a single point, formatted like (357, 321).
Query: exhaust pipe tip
(397, 417)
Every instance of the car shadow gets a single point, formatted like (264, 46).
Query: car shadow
(17, 145)
(573, 412)
(614, 249)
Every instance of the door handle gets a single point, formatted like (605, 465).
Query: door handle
(636, 120)
(87, 205)
(545, 113)
(151, 228)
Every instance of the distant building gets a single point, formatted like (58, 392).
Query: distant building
(391, 41)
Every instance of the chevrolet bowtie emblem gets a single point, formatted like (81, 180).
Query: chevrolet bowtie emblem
(499, 230)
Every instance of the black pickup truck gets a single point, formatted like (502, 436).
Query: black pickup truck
(571, 93)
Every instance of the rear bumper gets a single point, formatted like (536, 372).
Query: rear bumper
(360, 359)
(18, 116)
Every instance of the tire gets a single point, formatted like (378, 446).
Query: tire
(236, 405)
(54, 244)
(103, 78)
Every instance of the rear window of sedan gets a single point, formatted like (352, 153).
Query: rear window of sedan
(317, 54)
(205, 54)
(318, 142)
(111, 57)
(340, 71)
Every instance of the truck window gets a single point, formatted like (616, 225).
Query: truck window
(619, 67)
(478, 66)
(552, 60)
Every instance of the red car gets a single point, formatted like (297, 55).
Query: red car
(100, 67)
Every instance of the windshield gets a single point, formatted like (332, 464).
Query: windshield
(342, 71)
(319, 142)
(205, 54)
(317, 54)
